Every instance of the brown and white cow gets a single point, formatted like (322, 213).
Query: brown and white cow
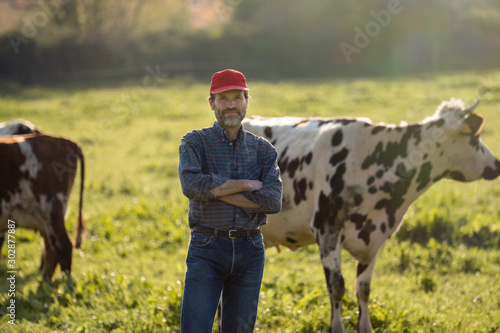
(348, 183)
(37, 172)
(15, 127)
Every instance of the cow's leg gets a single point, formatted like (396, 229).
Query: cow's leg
(61, 242)
(330, 249)
(26, 219)
(363, 282)
(49, 258)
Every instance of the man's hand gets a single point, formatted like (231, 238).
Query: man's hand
(254, 185)
(229, 192)
(234, 186)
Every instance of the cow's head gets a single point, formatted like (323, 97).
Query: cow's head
(466, 156)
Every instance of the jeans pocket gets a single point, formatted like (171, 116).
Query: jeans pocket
(258, 241)
(200, 240)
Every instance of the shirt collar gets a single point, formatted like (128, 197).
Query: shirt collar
(222, 133)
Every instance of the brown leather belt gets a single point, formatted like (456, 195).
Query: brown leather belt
(227, 233)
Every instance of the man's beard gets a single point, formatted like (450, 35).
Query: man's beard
(230, 120)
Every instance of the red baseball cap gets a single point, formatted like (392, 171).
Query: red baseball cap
(226, 80)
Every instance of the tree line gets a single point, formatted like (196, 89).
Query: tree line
(89, 39)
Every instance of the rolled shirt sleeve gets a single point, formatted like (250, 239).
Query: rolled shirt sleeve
(270, 195)
(194, 183)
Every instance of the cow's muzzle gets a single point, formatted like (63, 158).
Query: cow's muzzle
(491, 173)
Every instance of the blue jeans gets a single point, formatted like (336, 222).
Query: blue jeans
(219, 266)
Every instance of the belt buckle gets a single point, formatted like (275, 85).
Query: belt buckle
(231, 236)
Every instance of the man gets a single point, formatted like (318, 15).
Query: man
(232, 180)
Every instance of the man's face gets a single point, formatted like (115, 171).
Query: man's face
(230, 107)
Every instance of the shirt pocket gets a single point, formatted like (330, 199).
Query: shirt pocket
(254, 172)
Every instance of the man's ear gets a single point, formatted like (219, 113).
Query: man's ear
(210, 101)
(473, 125)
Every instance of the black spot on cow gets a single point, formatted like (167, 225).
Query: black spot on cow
(457, 175)
(338, 286)
(370, 180)
(345, 121)
(323, 122)
(441, 176)
(424, 176)
(325, 217)
(383, 227)
(299, 187)
(268, 132)
(339, 157)
(323, 213)
(293, 166)
(283, 161)
(360, 269)
(365, 233)
(358, 219)
(377, 129)
(337, 181)
(283, 164)
(311, 185)
(358, 199)
(372, 190)
(385, 156)
(309, 158)
(380, 173)
(438, 123)
(291, 240)
(388, 187)
(337, 138)
(283, 154)
(400, 188)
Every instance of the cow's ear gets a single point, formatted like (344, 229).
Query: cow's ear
(473, 125)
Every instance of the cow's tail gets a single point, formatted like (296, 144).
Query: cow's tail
(80, 230)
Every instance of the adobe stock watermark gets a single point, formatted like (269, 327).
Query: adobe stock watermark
(363, 38)
(34, 21)
(11, 265)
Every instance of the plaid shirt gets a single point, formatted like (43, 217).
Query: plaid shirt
(208, 159)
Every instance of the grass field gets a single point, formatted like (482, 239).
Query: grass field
(440, 273)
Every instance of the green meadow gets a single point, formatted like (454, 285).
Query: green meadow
(439, 273)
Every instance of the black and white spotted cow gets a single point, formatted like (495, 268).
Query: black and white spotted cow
(348, 182)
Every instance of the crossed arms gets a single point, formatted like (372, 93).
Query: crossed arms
(230, 192)
(262, 195)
